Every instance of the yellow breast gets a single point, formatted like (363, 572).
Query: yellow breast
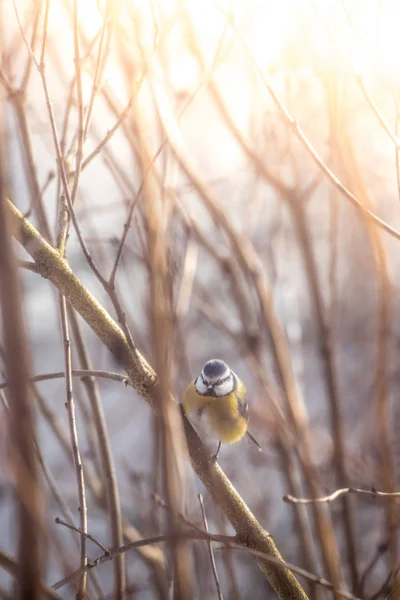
(225, 418)
(222, 413)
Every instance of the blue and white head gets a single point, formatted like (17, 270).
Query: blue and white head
(216, 379)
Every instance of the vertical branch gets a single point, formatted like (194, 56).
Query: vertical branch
(21, 417)
(64, 223)
(250, 263)
(210, 550)
(281, 356)
(65, 215)
(70, 406)
(349, 507)
(384, 322)
(301, 522)
(157, 219)
(241, 518)
(329, 367)
(285, 448)
(103, 52)
(106, 456)
(79, 93)
(67, 514)
(18, 100)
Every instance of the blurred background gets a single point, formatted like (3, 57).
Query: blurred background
(260, 141)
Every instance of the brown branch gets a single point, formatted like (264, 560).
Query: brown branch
(210, 550)
(124, 114)
(80, 479)
(82, 373)
(87, 535)
(112, 491)
(66, 215)
(338, 493)
(385, 314)
(297, 130)
(250, 263)
(358, 77)
(154, 557)
(20, 418)
(69, 196)
(11, 566)
(157, 223)
(57, 270)
(110, 555)
(58, 497)
(329, 365)
(229, 543)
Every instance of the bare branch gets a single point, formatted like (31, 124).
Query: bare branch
(210, 550)
(87, 535)
(80, 479)
(338, 493)
(246, 525)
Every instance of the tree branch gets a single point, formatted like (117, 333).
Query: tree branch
(249, 532)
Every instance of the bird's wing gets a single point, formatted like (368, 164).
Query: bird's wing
(243, 408)
(241, 397)
(192, 401)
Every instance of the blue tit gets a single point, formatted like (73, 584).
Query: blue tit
(220, 395)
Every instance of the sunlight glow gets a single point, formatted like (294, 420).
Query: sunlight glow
(285, 33)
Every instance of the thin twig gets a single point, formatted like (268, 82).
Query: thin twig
(380, 551)
(107, 461)
(292, 123)
(65, 511)
(111, 554)
(149, 167)
(230, 543)
(30, 46)
(124, 114)
(83, 373)
(210, 550)
(152, 555)
(329, 365)
(102, 55)
(385, 314)
(60, 158)
(172, 438)
(29, 266)
(335, 495)
(250, 263)
(358, 77)
(63, 233)
(75, 445)
(160, 502)
(60, 274)
(87, 535)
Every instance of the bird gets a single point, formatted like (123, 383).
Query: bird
(220, 395)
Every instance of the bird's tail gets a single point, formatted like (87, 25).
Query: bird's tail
(253, 439)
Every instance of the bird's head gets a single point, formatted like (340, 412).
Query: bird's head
(216, 379)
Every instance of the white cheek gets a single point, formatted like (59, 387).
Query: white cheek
(225, 388)
(200, 387)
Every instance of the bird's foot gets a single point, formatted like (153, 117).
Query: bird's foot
(214, 457)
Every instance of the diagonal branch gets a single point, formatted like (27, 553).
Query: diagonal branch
(249, 531)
